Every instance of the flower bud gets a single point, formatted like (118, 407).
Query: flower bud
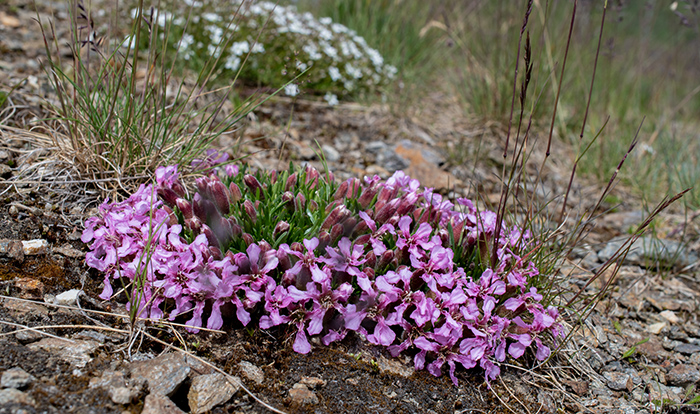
(364, 239)
(369, 272)
(300, 202)
(198, 207)
(220, 196)
(202, 184)
(206, 230)
(291, 182)
(178, 188)
(324, 239)
(349, 224)
(367, 196)
(250, 210)
(360, 228)
(385, 260)
(335, 216)
(341, 191)
(248, 239)
(354, 186)
(444, 236)
(336, 232)
(313, 205)
(185, 207)
(216, 252)
(235, 192)
(331, 206)
(194, 224)
(236, 229)
(297, 247)
(386, 212)
(273, 176)
(281, 227)
(172, 218)
(254, 186)
(386, 194)
(371, 259)
(264, 247)
(311, 176)
(284, 262)
(167, 195)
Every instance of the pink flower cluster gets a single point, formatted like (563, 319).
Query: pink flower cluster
(394, 262)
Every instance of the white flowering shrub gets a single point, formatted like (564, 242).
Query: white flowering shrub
(273, 45)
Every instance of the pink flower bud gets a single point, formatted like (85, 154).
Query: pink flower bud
(336, 232)
(341, 191)
(250, 210)
(264, 247)
(311, 176)
(444, 236)
(273, 176)
(386, 194)
(185, 207)
(364, 239)
(324, 239)
(297, 247)
(206, 230)
(354, 185)
(284, 262)
(360, 228)
(367, 196)
(236, 229)
(220, 196)
(167, 195)
(194, 224)
(385, 260)
(331, 206)
(235, 192)
(335, 216)
(202, 184)
(300, 202)
(313, 205)
(371, 259)
(172, 218)
(291, 182)
(386, 212)
(179, 189)
(281, 227)
(198, 207)
(216, 252)
(254, 186)
(248, 239)
(349, 224)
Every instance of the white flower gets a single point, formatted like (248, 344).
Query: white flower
(301, 66)
(311, 50)
(232, 62)
(390, 71)
(329, 50)
(334, 73)
(375, 57)
(192, 3)
(331, 99)
(325, 20)
(211, 17)
(187, 41)
(291, 89)
(129, 42)
(240, 48)
(353, 71)
(214, 51)
(217, 34)
(258, 48)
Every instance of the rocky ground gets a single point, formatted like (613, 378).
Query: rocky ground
(64, 350)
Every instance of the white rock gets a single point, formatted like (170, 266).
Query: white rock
(34, 247)
(656, 328)
(68, 298)
(669, 316)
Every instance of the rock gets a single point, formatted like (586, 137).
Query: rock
(35, 247)
(69, 251)
(422, 169)
(164, 374)
(301, 395)
(618, 381)
(120, 390)
(687, 349)
(252, 372)
(580, 388)
(656, 328)
(74, 351)
(392, 161)
(208, 391)
(14, 396)
(330, 153)
(313, 382)
(660, 392)
(16, 378)
(159, 404)
(375, 147)
(669, 316)
(650, 252)
(394, 366)
(30, 288)
(9, 21)
(682, 375)
(68, 298)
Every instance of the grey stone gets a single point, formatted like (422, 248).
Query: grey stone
(428, 154)
(159, 404)
(74, 351)
(394, 366)
(649, 251)
(682, 375)
(391, 161)
(163, 374)
(331, 154)
(687, 349)
(660, 392)
(16, 378)
(120, 390)
(618, 381)
(208, 391)
(300, 394)
(14, 396)
(252, 372)
(123, 395)
(68, 298)
(375, 147)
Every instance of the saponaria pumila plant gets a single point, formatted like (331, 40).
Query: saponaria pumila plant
(272, 44)
(392, 261)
